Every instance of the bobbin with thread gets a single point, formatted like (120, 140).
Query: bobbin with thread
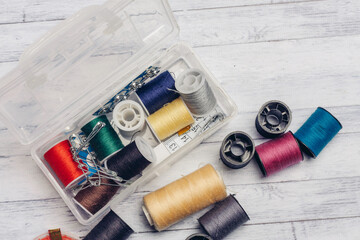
(183, 197)
(60, 159)
(132, 159)
(129, 118)
(277, 154)
(94, 198)
(196, 92)
(106, 141)
(158, 92)
(223, 218)
(170, 119)
(318, 130)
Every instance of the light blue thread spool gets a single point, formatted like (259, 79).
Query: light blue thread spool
(317, 131)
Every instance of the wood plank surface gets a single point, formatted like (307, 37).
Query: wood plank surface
(303, 52)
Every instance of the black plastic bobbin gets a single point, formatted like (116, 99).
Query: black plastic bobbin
(198, 236)
(237, 150)
(273, 118)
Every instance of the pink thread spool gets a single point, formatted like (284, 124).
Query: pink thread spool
(279, 153)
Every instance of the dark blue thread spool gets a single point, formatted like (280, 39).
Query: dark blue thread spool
(158, 92)
(317, 131)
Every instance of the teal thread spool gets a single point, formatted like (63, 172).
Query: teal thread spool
(317, 131)
(106, 141)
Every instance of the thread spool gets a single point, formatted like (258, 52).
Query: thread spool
(64, 236)
(318, 130)
(106, 142)
(94, 198)
(187, 195)
(237, 150)
(132, 159)
(111, 227)
(170, 119)
(129, 117)
(224, 218)
(273, 119)
(156, 93)
(198, 236)
(60, 159)
(195, 91)
(278, 153)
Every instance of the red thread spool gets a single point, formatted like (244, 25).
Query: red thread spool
(61, 161)
(279, 153)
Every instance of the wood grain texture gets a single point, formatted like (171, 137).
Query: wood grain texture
(303, 52)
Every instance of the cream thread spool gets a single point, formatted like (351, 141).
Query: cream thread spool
(183, 197)
(170, 119)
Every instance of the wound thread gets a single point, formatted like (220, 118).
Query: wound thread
(106, 141)
(60, 159)
(224, 218)
(111, 227)
(277, 154)
(132, 159)
(318, 130)
(94, 198)
(170, 119)
(177, 200)
(195, 91)
(156, 93)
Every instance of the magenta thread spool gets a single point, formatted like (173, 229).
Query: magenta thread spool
(277, 154)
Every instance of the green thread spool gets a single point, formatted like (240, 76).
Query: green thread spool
(106, 141)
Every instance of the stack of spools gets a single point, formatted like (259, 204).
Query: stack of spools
(163, 106)
(200, 189)
(178, 200)
(285, 149)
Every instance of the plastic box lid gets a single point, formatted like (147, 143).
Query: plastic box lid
(81, 63)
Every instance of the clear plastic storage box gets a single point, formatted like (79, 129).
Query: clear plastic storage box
(71, 72)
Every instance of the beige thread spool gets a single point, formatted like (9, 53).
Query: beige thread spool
(170, 119)
(187, 195)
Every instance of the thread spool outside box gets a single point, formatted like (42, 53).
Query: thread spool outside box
(74, 84)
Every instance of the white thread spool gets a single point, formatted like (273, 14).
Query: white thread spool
(129, 117)
(195, 91)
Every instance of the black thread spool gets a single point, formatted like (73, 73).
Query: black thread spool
(198, 236)
(132, 159)
(111, 227)
(273, 119)
(223, 218)
(237, 150)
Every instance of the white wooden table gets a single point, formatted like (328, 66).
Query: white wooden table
(303, 52)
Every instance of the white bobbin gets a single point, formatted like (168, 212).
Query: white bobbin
(129, 117)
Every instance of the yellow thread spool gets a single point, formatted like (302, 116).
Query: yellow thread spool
(177, 200)
(170, 119)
